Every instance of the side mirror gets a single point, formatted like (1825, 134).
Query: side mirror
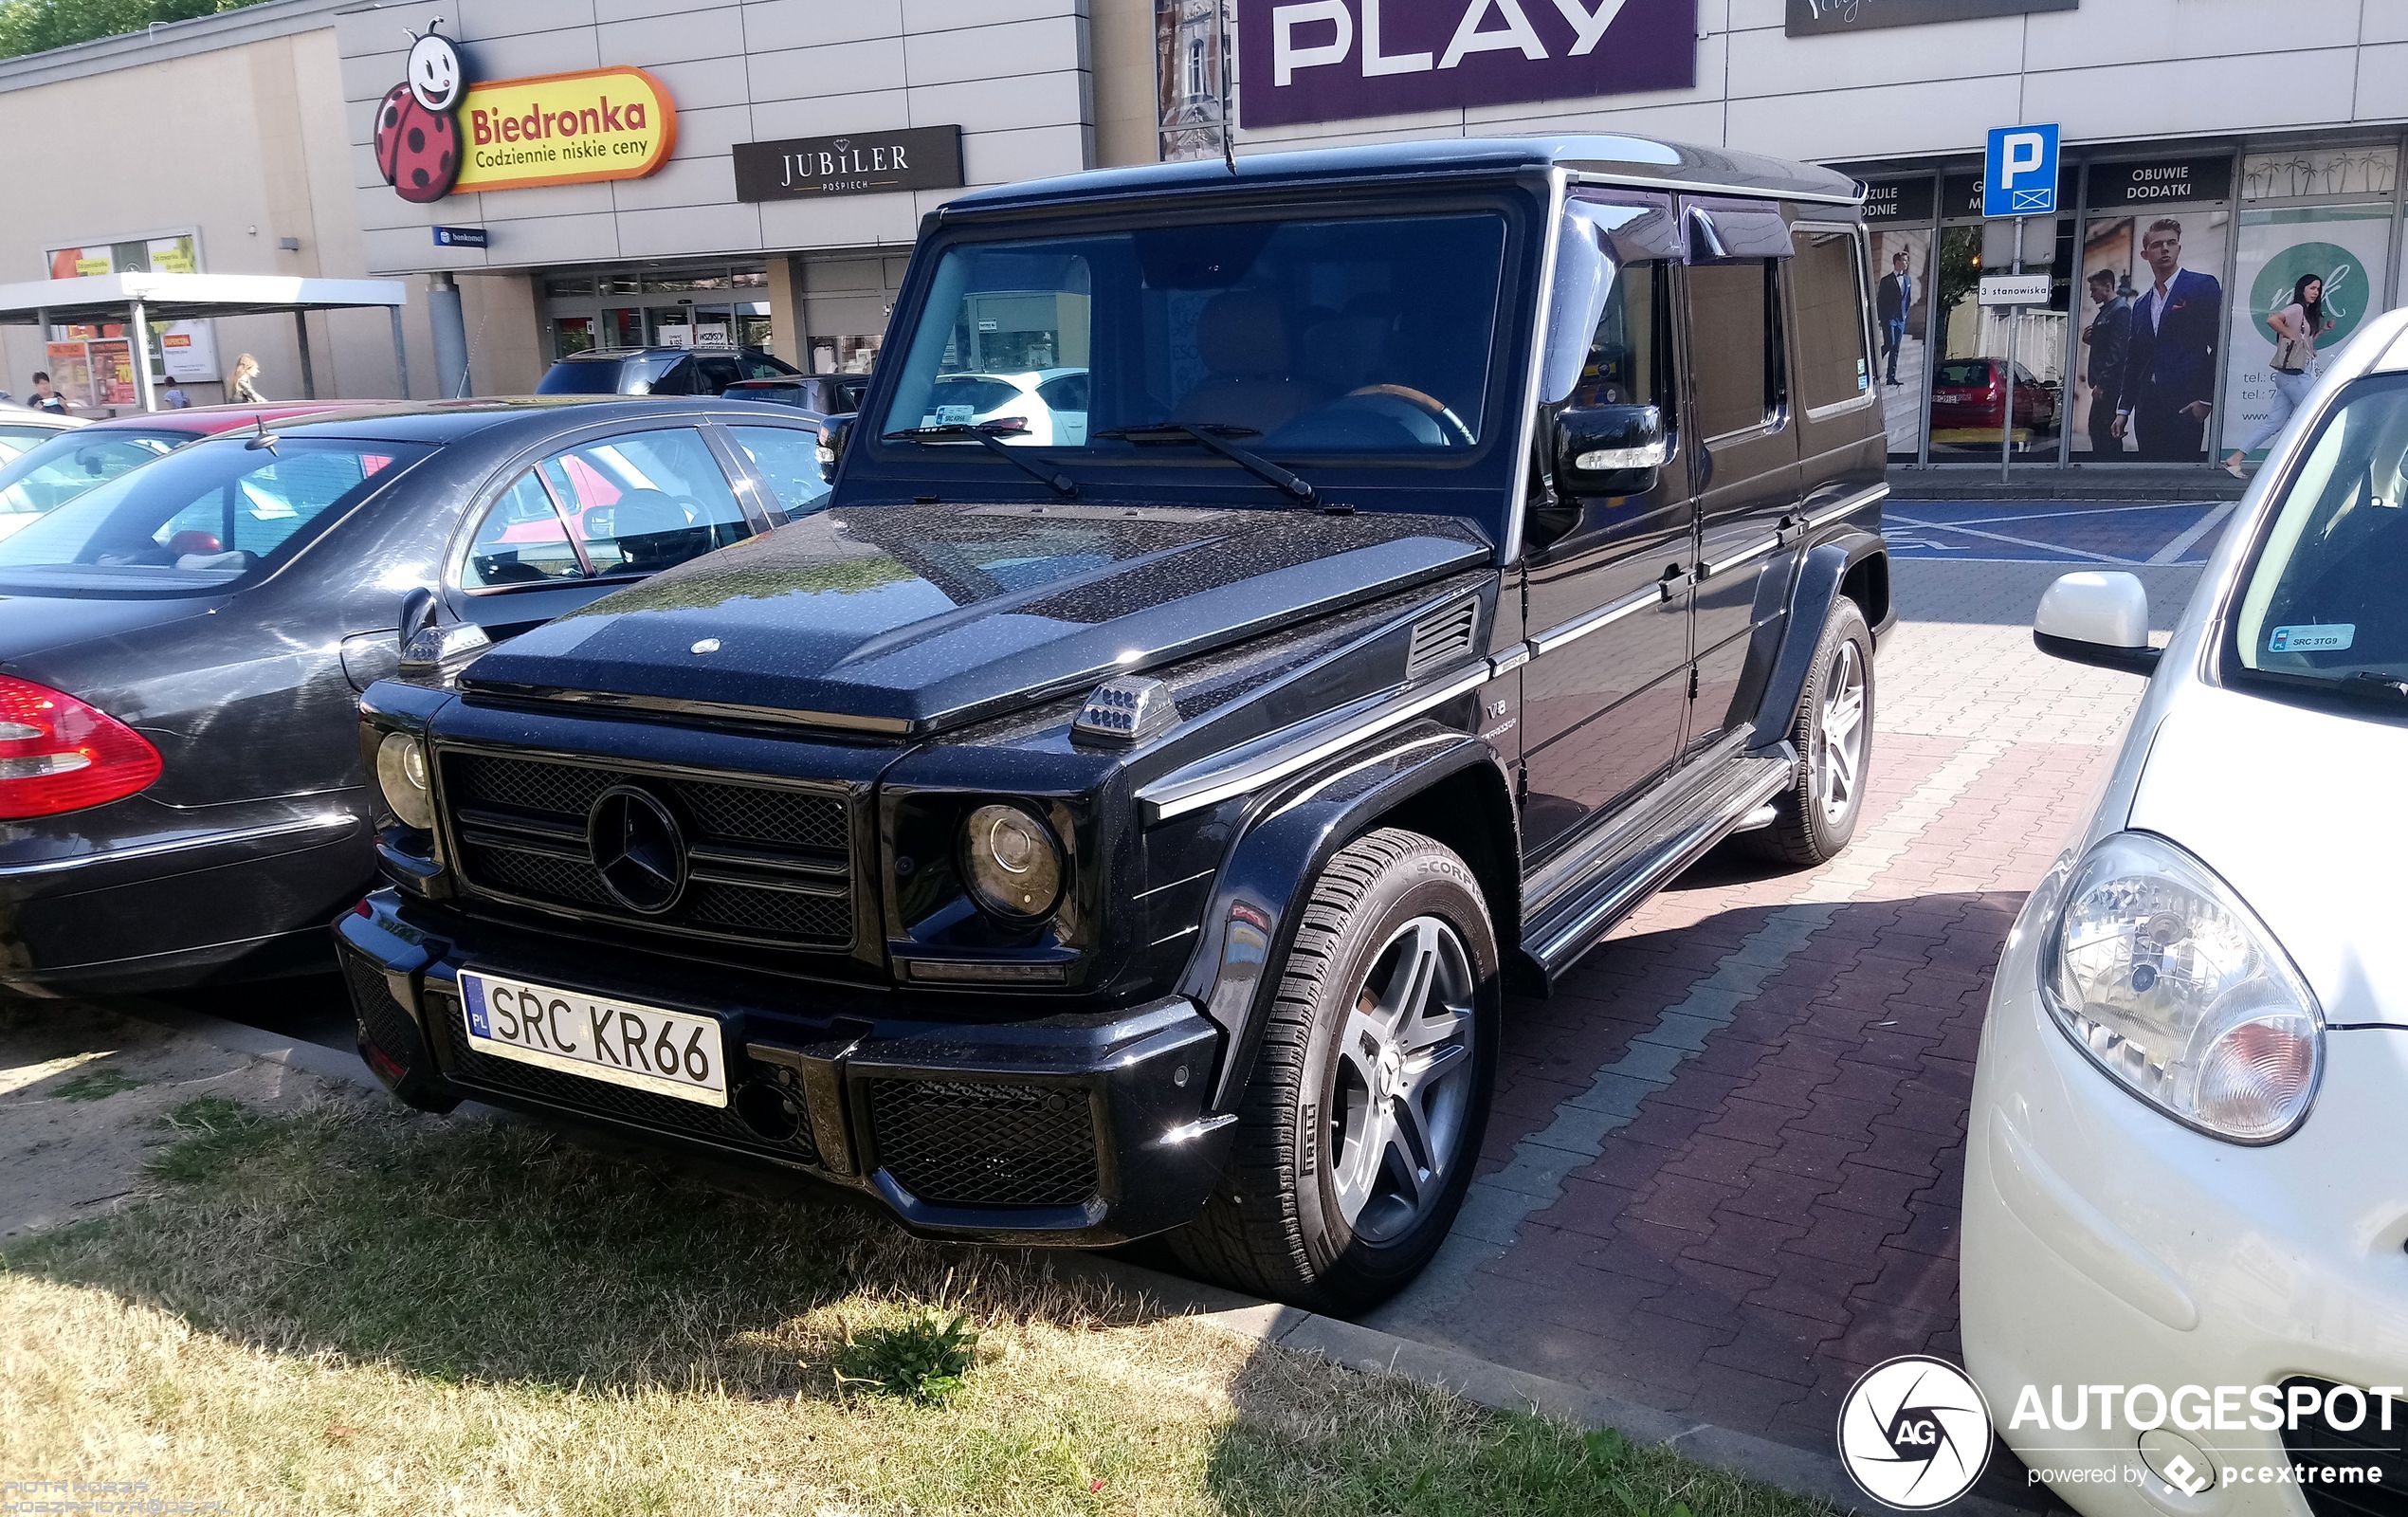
(833, 434)
(417, 613)
(434, 648)
(2099, 618)
(1610, 449)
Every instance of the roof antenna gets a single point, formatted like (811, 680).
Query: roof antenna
(266, 438)
(1220, 34)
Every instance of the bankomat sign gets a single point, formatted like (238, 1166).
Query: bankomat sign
(437, 134)
(1340, 59)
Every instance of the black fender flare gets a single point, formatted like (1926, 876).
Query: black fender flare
(1264, 878)
(1822, 569)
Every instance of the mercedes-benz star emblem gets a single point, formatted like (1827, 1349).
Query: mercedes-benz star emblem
(638, 848)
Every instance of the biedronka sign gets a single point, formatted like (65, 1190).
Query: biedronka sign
(438, 135)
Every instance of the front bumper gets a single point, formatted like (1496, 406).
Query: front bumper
(1063, 1128)
(2107, 1244)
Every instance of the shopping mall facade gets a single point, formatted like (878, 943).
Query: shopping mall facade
(615, 172)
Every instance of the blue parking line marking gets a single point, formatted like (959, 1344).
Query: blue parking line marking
(2103, 531)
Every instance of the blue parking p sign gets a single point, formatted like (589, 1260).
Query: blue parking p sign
(2020, 172)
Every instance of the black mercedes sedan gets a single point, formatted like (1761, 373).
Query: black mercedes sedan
(182, 650)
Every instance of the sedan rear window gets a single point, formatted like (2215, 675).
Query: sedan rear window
(2320, 607)
(52, 473)
(207, 517)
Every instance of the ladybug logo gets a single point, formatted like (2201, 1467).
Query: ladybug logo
(417, 124)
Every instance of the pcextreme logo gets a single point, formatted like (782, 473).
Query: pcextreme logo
(437, 134)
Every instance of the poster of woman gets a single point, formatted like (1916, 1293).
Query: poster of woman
(2337, 246)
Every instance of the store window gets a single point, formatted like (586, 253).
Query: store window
(2154, 246)
(1898, 220)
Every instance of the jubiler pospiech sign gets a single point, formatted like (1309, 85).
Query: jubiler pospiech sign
(1341, 60)
(858, 163)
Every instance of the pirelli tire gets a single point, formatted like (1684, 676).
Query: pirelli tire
(1357, 1137)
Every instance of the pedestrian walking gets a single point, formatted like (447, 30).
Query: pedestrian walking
(243, 384)
(2296, 326)
(175, 397)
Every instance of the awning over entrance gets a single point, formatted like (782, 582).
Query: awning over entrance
(139, 300)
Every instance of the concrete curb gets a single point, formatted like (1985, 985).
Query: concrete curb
(1369, 1350)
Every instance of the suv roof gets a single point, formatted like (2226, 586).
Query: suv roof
(660, 350)
(1643, 162)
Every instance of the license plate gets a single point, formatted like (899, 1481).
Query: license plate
(645, 1047)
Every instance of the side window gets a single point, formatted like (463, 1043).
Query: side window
(716, 374)
(677, 379)
(760, 368)
(788, 458)
(521, 541)
(1626, 358)
(1827, 292)
(1735, 333)
(647, 499)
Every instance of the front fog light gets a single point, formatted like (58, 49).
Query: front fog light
(401, 774)
(2171, 984)
(1010, 861)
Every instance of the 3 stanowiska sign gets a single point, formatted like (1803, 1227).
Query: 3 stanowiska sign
(437, 134)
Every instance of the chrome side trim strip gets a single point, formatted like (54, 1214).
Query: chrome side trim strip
(1177, 793)
(1511, 659)
(151, 850)
(1743, 556)
(1857, 502)
(1587, 622)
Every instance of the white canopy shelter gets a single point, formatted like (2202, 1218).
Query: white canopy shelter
(139, 300)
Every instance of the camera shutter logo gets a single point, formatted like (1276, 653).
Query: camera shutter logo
(1914, 1433)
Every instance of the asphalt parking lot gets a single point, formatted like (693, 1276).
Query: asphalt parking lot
(1723, 1175)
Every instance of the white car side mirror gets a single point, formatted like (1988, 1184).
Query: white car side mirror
(2096, 617)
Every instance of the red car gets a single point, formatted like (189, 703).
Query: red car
(51, 473)
(1969, 398)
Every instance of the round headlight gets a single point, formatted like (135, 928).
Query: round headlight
(2171, 984)
(401, 774)
(1011, 863)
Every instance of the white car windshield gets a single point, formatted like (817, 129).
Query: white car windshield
(2322, 604)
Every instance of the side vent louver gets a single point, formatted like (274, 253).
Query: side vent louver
(1442, 638)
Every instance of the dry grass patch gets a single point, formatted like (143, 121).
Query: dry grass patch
(356, 1309)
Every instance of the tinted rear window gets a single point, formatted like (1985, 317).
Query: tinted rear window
(209, 516)
(1964, 375)
(602, 377)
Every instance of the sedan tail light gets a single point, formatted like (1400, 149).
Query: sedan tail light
(57, 754)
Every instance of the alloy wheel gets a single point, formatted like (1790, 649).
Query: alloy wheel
(1839, 732)
(1404, 1081)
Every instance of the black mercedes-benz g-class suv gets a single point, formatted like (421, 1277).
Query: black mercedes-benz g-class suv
(1074, 841)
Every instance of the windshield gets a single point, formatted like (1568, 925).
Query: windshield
(1365, 338)
(2322, 602)
(203, 518)
(55, 472)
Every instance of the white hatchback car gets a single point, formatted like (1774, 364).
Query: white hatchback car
(1052, 403)
(2186, 1187)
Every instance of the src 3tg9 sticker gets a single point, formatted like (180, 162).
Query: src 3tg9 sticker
(2325, 638)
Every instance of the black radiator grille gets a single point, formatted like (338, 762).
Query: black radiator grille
(2378, 1441)
(388, 1022)
(962, 1142)
(615, 1103)
(767, 864)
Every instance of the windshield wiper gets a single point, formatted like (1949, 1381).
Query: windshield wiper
(2366, 682)
(1213, 435)
(984, 433)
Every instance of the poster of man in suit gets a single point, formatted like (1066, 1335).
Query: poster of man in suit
(1902, 314)
(2155, 403)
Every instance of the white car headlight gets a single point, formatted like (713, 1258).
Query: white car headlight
(2170, 983)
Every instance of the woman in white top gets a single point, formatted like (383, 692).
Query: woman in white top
(2296, 324)
(243, 384)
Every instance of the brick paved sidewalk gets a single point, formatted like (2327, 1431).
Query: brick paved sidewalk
(1723, 1176)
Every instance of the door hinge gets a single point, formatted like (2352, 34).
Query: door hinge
(1693, 682)
(1522, 788)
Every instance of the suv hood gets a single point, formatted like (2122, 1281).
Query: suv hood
(2296, 809)
(905, 619)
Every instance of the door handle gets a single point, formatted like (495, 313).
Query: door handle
(1676, 578)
